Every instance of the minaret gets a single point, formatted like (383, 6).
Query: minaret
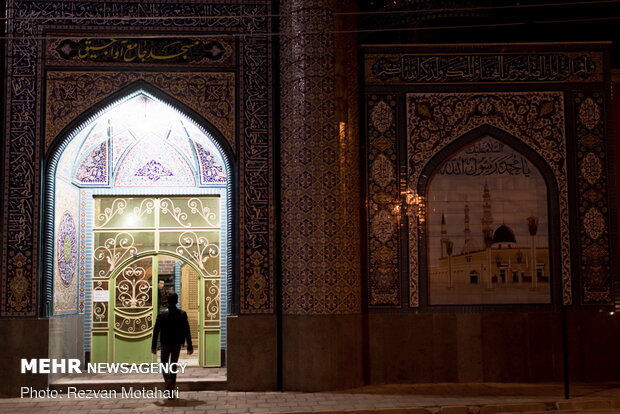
(449, 249)
(487, 216)
(444, 234)
(487, 231)
(467, 232)
(532, 226)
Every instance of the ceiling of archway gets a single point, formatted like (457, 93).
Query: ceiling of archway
(141, 142)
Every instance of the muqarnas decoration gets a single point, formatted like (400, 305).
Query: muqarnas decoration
(94, 167)
(211, 171)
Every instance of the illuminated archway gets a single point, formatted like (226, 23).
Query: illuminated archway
(141, 146)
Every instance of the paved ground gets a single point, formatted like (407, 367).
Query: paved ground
(485, 398)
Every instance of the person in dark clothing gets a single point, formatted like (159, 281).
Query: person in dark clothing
(172, 328)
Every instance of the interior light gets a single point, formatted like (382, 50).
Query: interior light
(130, 220)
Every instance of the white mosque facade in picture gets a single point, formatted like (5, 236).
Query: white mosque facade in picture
(488, 229)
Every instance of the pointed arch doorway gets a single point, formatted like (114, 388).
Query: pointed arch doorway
(141, 192)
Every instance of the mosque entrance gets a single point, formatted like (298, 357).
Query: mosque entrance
(142, 207)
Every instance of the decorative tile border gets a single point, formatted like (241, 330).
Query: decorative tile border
(384, 282)
(66, 251)
(593, 196)
(85, 222)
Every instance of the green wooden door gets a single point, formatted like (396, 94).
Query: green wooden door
(129, 233)
(133, 311)
(209, 330)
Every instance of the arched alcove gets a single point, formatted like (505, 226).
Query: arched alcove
(138, 174)
(489, 211)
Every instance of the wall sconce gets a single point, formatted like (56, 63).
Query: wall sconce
(415, 205)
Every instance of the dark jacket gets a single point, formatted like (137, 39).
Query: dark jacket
(173, 326)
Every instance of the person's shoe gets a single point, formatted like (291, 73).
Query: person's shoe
(172, 387)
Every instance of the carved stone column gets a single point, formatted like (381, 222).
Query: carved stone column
(321, 289)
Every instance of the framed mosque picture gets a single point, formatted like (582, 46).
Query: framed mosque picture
(487, 228)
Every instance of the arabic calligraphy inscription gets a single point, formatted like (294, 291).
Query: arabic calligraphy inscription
(142, 50)
(526, 67)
